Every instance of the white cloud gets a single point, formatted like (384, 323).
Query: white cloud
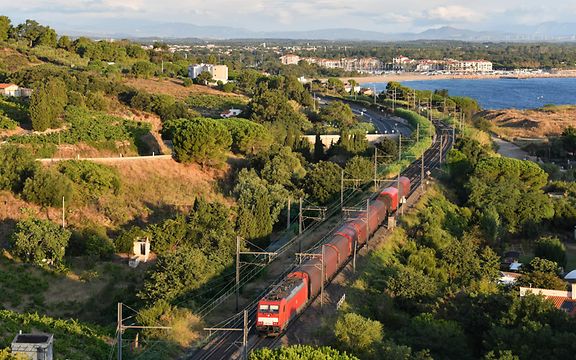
(270, 15)
(453, 13)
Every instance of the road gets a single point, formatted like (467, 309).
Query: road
(384, 122)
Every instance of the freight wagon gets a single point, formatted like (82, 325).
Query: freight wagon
(290, 297)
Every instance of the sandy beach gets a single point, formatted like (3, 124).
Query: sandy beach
(420, 76)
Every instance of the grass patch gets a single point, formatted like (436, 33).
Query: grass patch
(98, 129)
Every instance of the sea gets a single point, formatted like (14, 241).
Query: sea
(496, 94)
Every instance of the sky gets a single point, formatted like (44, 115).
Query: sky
(289, 15)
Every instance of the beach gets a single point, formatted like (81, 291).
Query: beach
(420, 76)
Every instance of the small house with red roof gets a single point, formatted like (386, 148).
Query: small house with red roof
(14, 90)
(10, 90)
(563, 300)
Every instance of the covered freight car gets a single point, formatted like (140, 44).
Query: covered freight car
(283, 303)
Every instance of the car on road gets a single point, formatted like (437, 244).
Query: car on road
(364, 110)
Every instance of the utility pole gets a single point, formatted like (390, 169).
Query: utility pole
(300, 218)
(441, 146)
(238, 253)
(316, 256)
(400, 147)
(245, 331)
(367, 219)
(375, 167)
(63, 213)
(245, 336)
(288, 215)
(342, 189)
(418, 132)
(119, 330)
(422, 172)
(120, 327)
(237, 273)
(323, 280)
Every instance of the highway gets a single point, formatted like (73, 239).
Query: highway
(384, 122)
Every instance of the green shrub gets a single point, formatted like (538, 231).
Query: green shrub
(95, 179)
(7, 123)
(16, 165)
(89, 126)
(357, 333)
(36, 241)
(200, 140)
(300, 352)
(91, 241)
(48, 188)
(125, 241)
(248, 137)
(215, 102)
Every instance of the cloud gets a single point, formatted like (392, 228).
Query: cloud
(453, 13)
(272, 15)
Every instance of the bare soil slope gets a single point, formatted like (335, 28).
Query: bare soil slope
(173, 87)
(538, 123)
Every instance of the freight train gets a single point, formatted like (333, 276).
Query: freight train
(290, 297)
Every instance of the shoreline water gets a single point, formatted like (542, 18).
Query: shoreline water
(420, 77)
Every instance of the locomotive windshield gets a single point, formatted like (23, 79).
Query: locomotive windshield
(274, 309)
(264, 308)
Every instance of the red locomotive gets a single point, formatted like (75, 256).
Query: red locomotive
(289, 298)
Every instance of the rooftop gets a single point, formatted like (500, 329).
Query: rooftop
(32, 338)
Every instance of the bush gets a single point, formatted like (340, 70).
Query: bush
(95, 179)
(357, 333)
(187, 82)
(48, 188)
(552, 249)
(16, 165)
(299, 352)
(89, 126)
(37, 241)
(92, 241)
(322, 182)
(200, 140)
(7, 123)
(124, 243)
(248, 137)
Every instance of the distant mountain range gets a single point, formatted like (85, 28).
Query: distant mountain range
(550, 31)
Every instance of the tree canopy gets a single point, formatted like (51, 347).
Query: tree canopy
(39, 241)
(513, 188)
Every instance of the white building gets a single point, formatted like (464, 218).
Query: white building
(14, 90)
(231, 113)
(218, 72)
(290, 59)
(33, 346)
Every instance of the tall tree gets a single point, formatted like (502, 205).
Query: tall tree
(5, 26)
(47, 104)
(514, 189)
(339, 114)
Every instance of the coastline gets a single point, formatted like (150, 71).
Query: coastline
(419, 76)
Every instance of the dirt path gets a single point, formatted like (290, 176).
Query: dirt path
(109, 159)
(511, 150)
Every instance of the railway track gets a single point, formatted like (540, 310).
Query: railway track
(227, 345)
